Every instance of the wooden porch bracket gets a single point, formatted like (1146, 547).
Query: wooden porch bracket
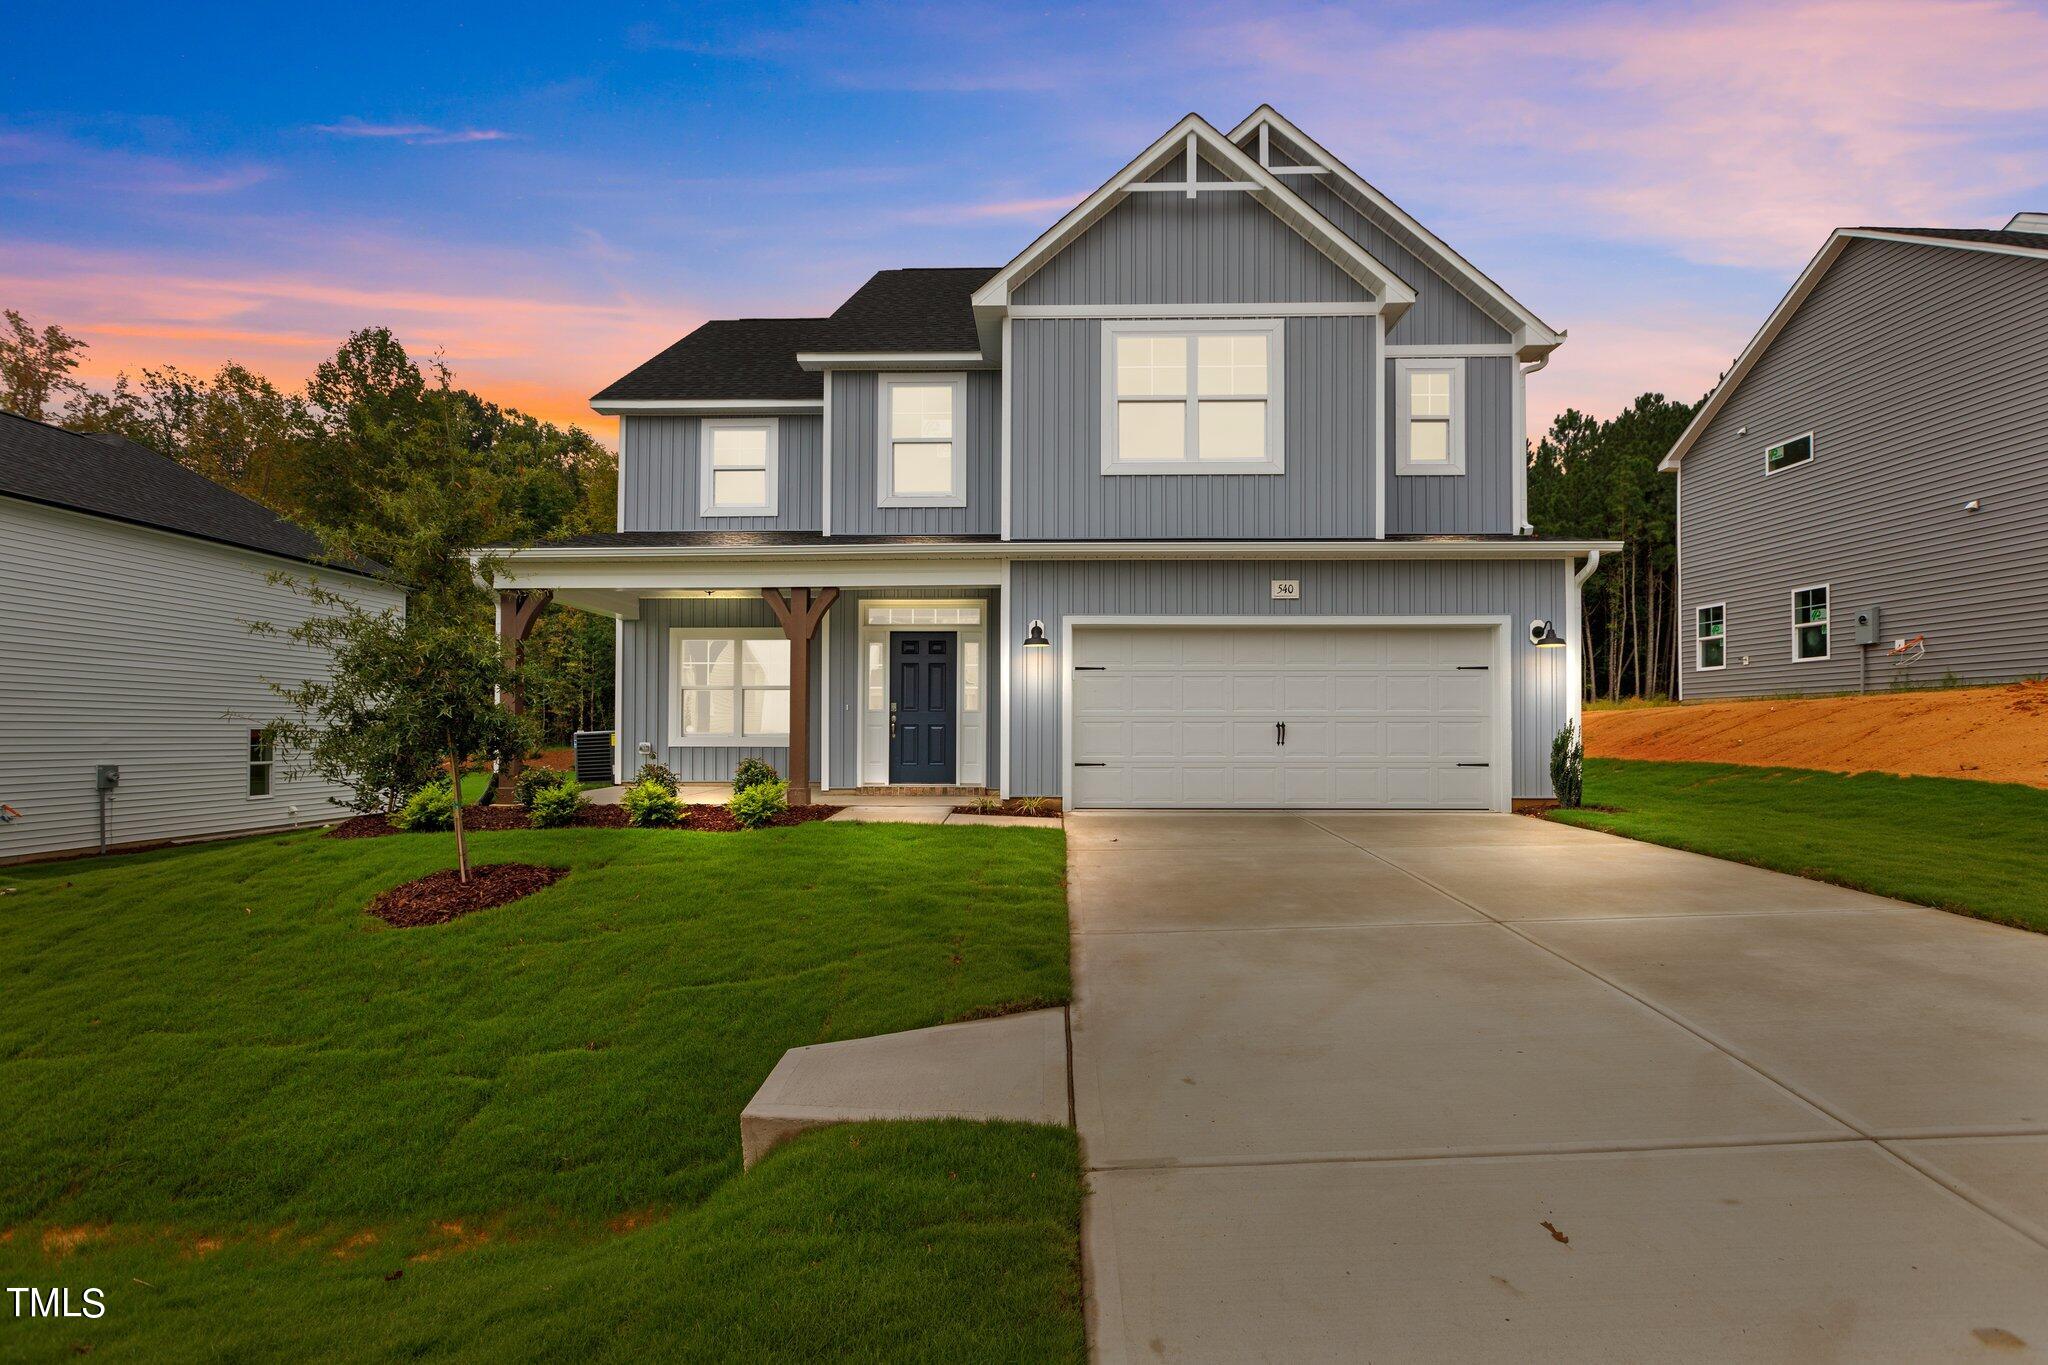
(800, 613)
(518, 611)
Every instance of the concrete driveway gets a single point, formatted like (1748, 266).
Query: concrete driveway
(1478, 1087)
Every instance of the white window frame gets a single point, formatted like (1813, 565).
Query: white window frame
(1699, 641)
(739, 738)
(1454, 438)
(268, 747)
(707, 502)
(1812, 453)
(1193, 328)
(885, 444)
(1828, 626)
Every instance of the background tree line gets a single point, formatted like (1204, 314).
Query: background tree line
(382, 456)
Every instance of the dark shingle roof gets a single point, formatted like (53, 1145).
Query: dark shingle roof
(734, 358)
(907, 310)
(111, 476)
(2038, 241)
(732, 540)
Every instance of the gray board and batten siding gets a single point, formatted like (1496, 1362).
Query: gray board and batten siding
(658, 476)
(1481, 501)
(1915, 412)
(856, 441)
(1050, 591)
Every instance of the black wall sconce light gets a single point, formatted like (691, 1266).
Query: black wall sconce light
(1543, 635)
(1035, 637)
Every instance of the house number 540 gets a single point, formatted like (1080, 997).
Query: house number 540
(1286, 590)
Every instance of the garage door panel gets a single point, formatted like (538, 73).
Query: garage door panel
(1374, 716)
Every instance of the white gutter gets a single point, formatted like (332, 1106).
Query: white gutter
(1592, 563)
(1103, 549)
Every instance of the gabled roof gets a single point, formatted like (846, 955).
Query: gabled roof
(736, 358)
(1962, 239)
(110, 476)
(1534, 334)
(921, 310)
(1192, 136)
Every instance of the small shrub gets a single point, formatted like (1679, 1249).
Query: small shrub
(759, 804)
(557, 805)
(432, 807)
(650, 805)
(1949, 679)
(1033, 805)
(752, 772)
(534, 781)
(1568, 767)
(988, 803)
(660, 774)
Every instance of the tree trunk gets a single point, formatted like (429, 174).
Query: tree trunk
(461, 841)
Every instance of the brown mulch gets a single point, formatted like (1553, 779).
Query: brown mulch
(1048, 809)
(443, 896)
(705, 819)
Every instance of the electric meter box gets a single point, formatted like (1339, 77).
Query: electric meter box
(1869, 624)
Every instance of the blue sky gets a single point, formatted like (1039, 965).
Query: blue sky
(546, 195)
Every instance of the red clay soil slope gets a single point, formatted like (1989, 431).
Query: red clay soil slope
(1988, 734)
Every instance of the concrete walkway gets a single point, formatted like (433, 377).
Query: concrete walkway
(1450, 1087)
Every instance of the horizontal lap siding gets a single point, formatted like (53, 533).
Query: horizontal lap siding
(856, 484)
(1058, 489)
(1923, 374)
(644, 687)
(128, 646)
(658, 477)
(1480, 501)
(1521, 590)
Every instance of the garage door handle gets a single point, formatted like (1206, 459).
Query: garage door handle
(1280, 732)
(1472, 668)
(1475, 765)
(1091, 668)
(1091, 765)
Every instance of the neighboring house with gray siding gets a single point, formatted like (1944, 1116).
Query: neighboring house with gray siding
(129, 584)
(1863, 501)
(1213, 496)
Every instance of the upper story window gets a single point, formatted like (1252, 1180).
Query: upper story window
(1191, 398)
(737, 462)
(1798, 450)
(1710, 637)
(1429, 416)
(1810, 623)
(922, 462)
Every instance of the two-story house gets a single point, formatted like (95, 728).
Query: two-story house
(1214, 496)
(1863, 500)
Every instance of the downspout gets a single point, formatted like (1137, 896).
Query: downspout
(1526, 527)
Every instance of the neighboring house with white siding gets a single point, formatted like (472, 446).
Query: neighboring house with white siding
(127, 587)
(1863, 500)
(1214, 496)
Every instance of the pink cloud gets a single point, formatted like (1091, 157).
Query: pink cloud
(67, 167)
(412, 134)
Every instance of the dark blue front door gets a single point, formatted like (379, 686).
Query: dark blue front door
(921, 738)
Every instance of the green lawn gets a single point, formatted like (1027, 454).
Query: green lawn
(1979, 848)
(249, 1104)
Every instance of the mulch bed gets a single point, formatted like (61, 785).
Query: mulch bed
(705, 819)
(443, 896)
(1048, 809)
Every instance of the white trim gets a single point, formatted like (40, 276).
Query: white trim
(1537, 334)
(1678, 562)
(825, 465)
(824, 656)
(1812, 453)
(1193, 329)
(1827, 624)
(1454, 423)
(701, 407)
(1518, 450)
(885, 441)
(1355, 308)
(1450, 349)
(1699, 641)
(1179, 140)
(1956, 243)
(618, 692)
(707, 504)
(893, 360)
(1501, 764)
(1380, 420)
(966, 774)
(1003, 437)
(1574, 680)
(619, 510)
(739, 738)
(1002, 634)
(968, 551)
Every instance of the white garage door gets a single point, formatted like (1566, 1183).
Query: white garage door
(1208, 716)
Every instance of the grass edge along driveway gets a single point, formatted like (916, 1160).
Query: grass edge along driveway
(1976, 848)
(266, 1124)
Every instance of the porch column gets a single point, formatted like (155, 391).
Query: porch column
(518, 610)
(800, 614)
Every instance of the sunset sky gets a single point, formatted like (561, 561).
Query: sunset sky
(549, 194)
